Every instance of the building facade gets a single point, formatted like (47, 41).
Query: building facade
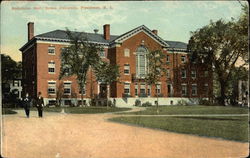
(184, 79)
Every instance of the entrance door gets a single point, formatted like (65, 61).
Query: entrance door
(103, 91)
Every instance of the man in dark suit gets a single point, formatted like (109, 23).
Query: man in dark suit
(40, 104)
(26, 104)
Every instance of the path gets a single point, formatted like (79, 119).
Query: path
(77, 135)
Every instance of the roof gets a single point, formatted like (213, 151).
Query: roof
(61, 34)
(177, 45)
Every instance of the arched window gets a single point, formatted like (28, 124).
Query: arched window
(141, 61)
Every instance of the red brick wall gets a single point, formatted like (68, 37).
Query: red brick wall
(43, 76)
(38, 57)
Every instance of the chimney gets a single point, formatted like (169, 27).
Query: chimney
(155, 32)
(30, 30)
(96, 31)
(106, 31)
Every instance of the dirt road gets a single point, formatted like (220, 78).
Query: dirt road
(83, 136)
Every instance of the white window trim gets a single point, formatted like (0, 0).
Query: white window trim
(52, 47)
(126, 50)
(68, 82)
(126, 88)
(185, 59)
(51, 81)
(104, 54)
(126, 69)
(184, 84)
(168, 59)
(54, 66)
(195, 91)
(194, 73)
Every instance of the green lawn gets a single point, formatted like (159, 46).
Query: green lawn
(91, 110)
(84, 110)
(174, 110)
(73, 110)
(226, 127)
(231, 128)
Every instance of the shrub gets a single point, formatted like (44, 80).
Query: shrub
(137, 102)
(183, 102)
(146, 104)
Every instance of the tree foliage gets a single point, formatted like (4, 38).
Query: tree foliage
(78, 57)
(107, 73)
(223, 43)
(10, 68)
(155, 68)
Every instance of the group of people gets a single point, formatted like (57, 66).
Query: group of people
(38, 102)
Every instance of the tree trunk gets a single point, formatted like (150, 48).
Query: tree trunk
(157, 103)
(222, 93)
(107, 95)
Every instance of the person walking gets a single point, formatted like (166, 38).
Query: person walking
(26, 104)
(40, 104)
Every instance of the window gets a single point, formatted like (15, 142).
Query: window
(169, 89)
(193, 74)
(149, 90)
(51, 87)
(67, 88)
(51, 67)
(136, 90)
(183, 59)
(141, 62)
(183, 89)
(126, 69)
(206, 73)
(126, 88)
(102, 54)
(143, 89)
(126, 52)
(84, 91)
(194, 89)
(183, 73)
(16, 83)
(67, 102)
(206, 89)
(51, 50)
(168, 59)
(158, 89)
(168, 73)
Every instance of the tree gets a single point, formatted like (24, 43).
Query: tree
(223, 44)
(107, 73)
(156, 69)
(77, 58)
(10, 68)
(238, 74)
(59, 94)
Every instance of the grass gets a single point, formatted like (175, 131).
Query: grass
(226, 127)
(7, 111)
(91, 110)
(84, 110)
(196, 109)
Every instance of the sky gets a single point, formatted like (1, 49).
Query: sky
(174, 20)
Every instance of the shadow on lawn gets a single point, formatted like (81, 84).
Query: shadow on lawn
(212, 118)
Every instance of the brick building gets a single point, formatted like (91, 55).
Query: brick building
(184, 79)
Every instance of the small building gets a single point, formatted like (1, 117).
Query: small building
(16, 88)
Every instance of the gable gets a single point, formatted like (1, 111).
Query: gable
(138, 30)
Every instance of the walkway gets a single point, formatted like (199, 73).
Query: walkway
(77, 135)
